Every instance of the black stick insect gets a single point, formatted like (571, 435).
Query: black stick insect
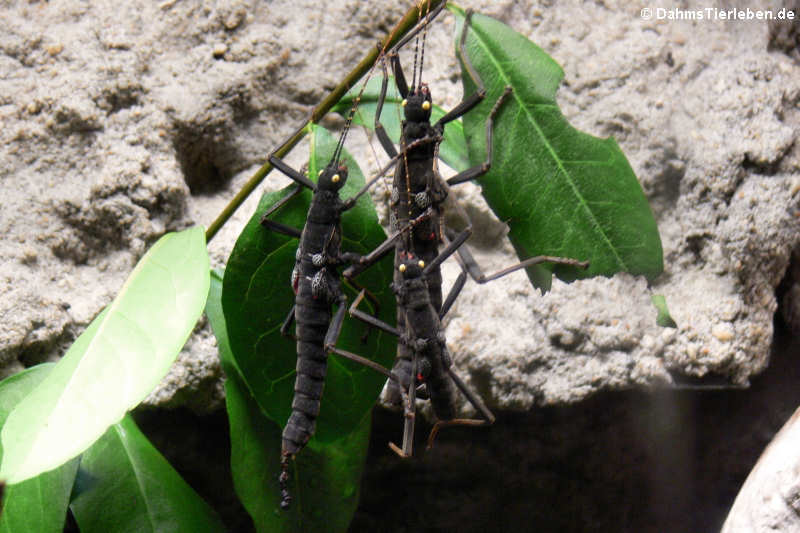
(315, 281)
(418, 189)
(423, 335)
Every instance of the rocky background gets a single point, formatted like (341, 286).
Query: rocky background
(123, 120)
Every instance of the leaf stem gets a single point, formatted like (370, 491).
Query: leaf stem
(404, 26)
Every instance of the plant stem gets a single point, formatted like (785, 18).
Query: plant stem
(404, 26)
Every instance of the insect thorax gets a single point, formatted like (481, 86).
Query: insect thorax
(325, 208)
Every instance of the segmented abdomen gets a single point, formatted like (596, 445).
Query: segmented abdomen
(312, 317)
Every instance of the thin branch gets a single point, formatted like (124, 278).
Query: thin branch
(404, 26)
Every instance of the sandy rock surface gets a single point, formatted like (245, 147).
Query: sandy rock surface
(768, 499)
(123, 121)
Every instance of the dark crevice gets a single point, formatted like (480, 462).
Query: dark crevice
(709, 381)
(764, 168)
(198, 447)
(631, 461)
(208, 159)
(668, 171)
(695, 245)
(45, 349)
(116, 101)
(787, 295)
(784, 35)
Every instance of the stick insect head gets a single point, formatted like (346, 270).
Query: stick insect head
(410, 267)
(417, 105)
(332, 177)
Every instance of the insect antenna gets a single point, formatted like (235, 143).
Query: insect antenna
(353, 109)
(419, 45)
(424, 34)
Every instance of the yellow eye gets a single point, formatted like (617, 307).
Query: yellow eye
(404, 102)
(401, 268)
(421, 263)
(335, 178)
(319, 173)
(426, 105)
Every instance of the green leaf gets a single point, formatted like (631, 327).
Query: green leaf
(256, 298)
(664, 319)
(216, 319)
(453, 149)
(115, 363)
(38, 504)
(563, 192)
(126, 485)
(326, 495)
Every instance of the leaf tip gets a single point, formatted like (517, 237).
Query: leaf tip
(664, 319)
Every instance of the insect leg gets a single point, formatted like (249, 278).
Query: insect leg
(473, 398)
(453, 294)
(369, 319)
(475, 401)
(383, 248)
(448, 250)
(408, 427)
(333, 334)
(483, 168)
(376, 306)
(376, 367)
(476, 273)
(280, 203)
(399, 77)
(336, 324)
(287, 323)
(487, 416)
(383, 137)
(407, 398)
(298, 177)
(283, 229)
(468, 102)
(277, 226)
